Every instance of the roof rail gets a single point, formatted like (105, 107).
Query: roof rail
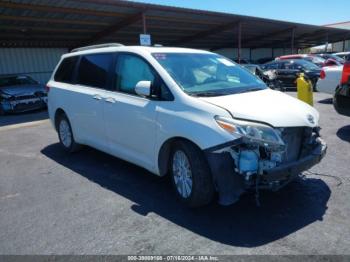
(95, 46)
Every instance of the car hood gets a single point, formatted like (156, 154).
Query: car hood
(22, 89)
(314, 72)
(272, 107)
(333, 68)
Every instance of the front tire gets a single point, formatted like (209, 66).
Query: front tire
(65, 134)
(190, 175)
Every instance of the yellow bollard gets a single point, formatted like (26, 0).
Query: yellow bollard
(304, 90)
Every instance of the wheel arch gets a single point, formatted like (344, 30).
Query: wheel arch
(59, 112)
(165, 151)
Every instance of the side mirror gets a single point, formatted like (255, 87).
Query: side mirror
(143, 88)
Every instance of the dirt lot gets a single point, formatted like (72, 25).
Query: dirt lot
(92, 203)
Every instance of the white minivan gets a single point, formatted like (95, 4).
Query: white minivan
(207, 122)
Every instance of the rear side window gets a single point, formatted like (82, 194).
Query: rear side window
(66, 69)
(93, 70)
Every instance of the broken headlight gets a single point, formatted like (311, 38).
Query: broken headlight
(254, 132)
(6, 96)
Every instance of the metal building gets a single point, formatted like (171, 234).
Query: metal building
(344, 45)
(36, 62)
(33, 34)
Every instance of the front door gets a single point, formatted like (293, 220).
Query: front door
(131, 119)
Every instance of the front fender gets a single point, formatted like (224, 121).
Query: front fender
(194, 125)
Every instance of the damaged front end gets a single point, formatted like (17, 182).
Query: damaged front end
(263, 161)
(22, 102)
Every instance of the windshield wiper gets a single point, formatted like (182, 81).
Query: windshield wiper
(222, 93)
(208, 94)
(249, 90)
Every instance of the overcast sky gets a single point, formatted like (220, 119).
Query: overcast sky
(318, 12)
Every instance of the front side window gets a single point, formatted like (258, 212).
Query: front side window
(130, 70)
(306, 65)
(272, 65)
(93, 70)
(208, 74)
(290, 65)
(65, 70)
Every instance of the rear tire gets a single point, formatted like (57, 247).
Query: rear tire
(190, 174)
(65, 134)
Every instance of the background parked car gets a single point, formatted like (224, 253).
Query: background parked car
(251, 67)
(288, 71)
(329, 79)
(19, 93)
(343, 55)
(243, 61)
(332, 56)
(331, 62)
(341, 100)
(264, 60)
(268, 76)
(319, 61)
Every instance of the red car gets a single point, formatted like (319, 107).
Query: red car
(311, 58)
(341, 99)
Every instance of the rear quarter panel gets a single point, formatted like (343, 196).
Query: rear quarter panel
(63, 96)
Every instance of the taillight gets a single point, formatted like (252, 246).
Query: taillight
(323, 74)
(47, 88)
(346, 73)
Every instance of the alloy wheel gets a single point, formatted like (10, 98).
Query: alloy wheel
(182, 174)
(65, 133)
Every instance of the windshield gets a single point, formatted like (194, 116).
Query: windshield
(307, 65)
(16, 80)
(343, 55)
(336, 58)
(315, 59)
(208, 74)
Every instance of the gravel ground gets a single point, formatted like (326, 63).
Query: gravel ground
(92, 203)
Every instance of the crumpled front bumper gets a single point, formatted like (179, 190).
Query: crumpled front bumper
(292, 169)
(17, 106)
(230, 185)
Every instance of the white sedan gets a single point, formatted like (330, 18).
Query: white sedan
(329, 79)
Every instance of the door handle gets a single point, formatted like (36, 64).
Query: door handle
(97, 97)
(110, 100)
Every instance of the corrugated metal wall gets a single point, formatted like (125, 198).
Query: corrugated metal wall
(36, 62)
(338, 47)
(255, 54)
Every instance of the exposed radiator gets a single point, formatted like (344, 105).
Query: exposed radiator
(293, 137)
